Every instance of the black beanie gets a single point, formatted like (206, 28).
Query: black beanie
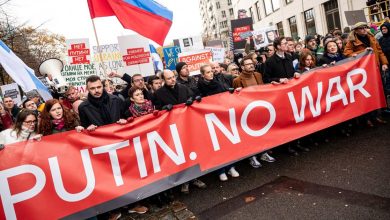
(179, 66)
(308, 38)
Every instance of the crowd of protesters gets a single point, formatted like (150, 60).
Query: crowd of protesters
(276, 64)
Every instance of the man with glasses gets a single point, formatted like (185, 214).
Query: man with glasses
(249, 77)
(138, 81)
(279, 68)
(361, 39)
(185, 79)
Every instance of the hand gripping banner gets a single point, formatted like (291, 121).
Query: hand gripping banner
(77, 175)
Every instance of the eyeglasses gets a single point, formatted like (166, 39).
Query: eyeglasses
(138, 80)
(235, 69)
(30, 122)
(360, 28)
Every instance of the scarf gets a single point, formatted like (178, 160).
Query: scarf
(102, 104)
(140, 110)
(59, 124)
(335, 57)
(364, 39)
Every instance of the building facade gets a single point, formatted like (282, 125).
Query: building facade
(216, 16)
(298, 18)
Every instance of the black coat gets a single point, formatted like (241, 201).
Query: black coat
(384, 41)
(92, 114)
(209, 88)
(325, 59)
(276, 68)
(165, 95)
(225, 80)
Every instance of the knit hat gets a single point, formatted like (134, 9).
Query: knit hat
(179, 66)
(360, 24)
(309, 38)
(328, 40)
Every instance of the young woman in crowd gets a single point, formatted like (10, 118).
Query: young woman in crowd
(233, 70)
(306, 61)
(139, 106)
(24, 129)
(55, 118)
(332, 52)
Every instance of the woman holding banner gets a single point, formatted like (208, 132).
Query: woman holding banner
(23, 129)
(55, 118)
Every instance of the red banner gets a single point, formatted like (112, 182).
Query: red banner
(71, 173)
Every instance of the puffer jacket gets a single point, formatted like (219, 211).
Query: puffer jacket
(355, 46)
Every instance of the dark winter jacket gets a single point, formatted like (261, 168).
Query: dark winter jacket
(166, 95)
(276, 68)
(105, 110)
(225, 80)
(209, 88)
(328, 58)
(384, 41)
(190, 83)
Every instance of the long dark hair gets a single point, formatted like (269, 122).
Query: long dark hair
(20, 117)
(46, 126)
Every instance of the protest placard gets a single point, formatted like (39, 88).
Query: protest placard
(217, 53)
(238, 27)
(75, 75)
(107, 59)
(171, 56)
(189, 43)
(12, 90)
(264, 36)
(195, 60)
(136, 57)
(78, 51)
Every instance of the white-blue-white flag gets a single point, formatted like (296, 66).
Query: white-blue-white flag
(157, 63)
(22, 74)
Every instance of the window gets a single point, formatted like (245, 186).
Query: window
(231, 12)
(218, 5)
(289, 1)
(258, 11)
(223, 14)
(229, 2)
(332, 15)
(293, 27)
(310, 23)
(251, 13)
(271, 6)
(268, 7)
(279, 26)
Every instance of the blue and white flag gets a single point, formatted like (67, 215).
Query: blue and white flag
(22, 74)
(157, 63)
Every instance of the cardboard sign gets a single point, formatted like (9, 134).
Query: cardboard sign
(171, 56)
(13, 91)
(264, 36)
(217, 53)
(75, 75)
(78, 51)
(135, 52)
(195, 60)
(107, 59)
(189, 43)
(241, 26)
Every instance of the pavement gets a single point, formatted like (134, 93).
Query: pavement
(347, 178)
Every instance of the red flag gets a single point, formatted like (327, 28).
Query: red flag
(146, 17)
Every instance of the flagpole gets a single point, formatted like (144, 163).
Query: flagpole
(99, 51)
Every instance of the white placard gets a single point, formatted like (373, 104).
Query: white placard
(195, 59)
(189, 43)
(264, 36)
(13, 91)
(78, 51)
(136, 55)
(217, 53)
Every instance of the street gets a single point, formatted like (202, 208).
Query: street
(347, 178)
